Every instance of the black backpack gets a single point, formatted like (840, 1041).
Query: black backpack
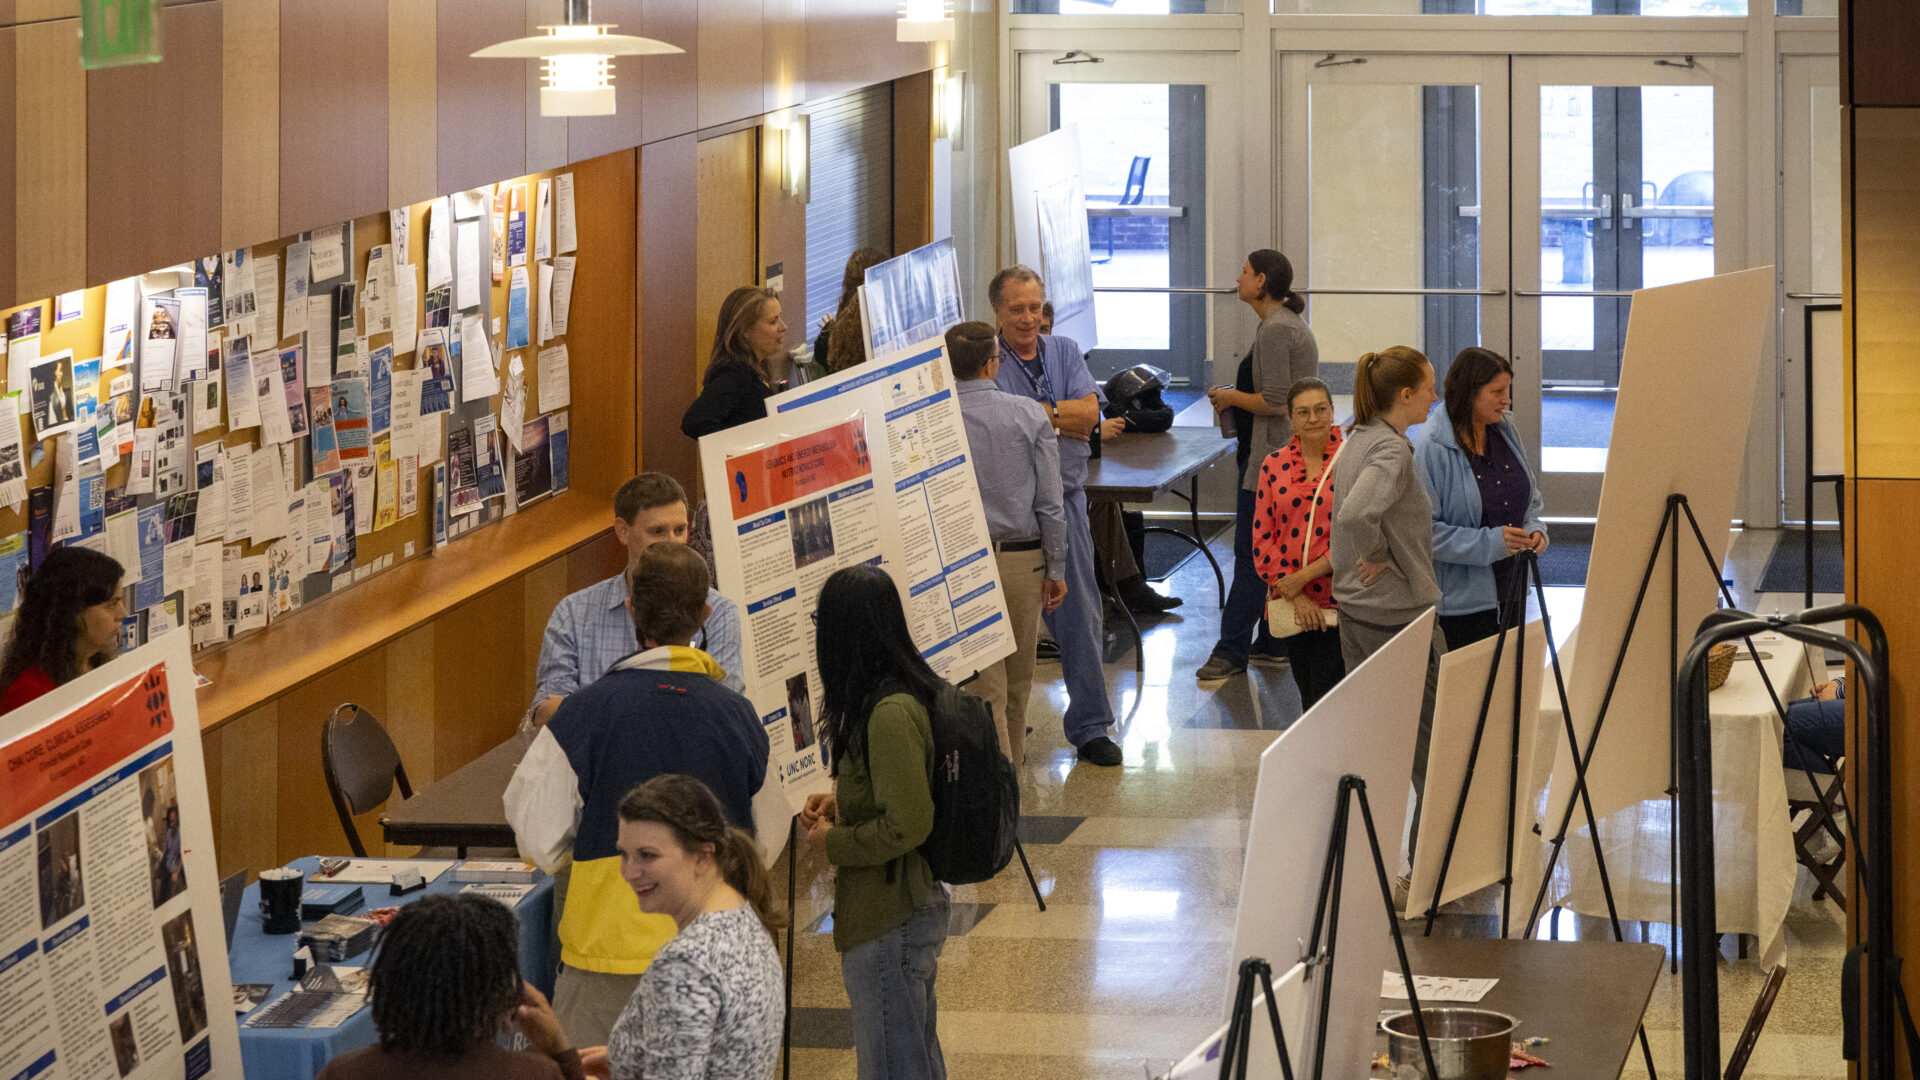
(976, 797)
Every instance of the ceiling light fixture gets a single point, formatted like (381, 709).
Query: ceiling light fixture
(924, 20)
(578, 60)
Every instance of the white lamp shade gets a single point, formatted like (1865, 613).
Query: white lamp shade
(924, 30)
(543, 45)
(595, 102)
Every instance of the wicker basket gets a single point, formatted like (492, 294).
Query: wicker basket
(1720, 663)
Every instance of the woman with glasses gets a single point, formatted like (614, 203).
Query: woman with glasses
(1292, 532)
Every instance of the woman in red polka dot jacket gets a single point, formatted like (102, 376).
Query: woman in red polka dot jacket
(1292, 525)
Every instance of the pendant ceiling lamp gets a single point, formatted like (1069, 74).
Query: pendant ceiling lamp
(578, 59)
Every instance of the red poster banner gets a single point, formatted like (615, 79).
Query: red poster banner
(783, 472)
(50, 761)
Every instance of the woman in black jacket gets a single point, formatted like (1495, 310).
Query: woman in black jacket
(748, 336)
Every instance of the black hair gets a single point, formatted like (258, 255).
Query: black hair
(865, 653)
(970, 348)
(446, 974)
(1474, 368)
(69, 580)
(688, 807)
(1278, 273)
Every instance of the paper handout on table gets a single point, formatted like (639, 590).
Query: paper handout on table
(1434, 987)
(479, 379)
(556, 385)
(381, 871)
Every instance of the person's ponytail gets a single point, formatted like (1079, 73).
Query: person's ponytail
(1379, 378)
(1293, 302)
(738, 857)
(1364, 405)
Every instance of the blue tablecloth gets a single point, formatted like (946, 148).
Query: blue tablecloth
(298, 1053)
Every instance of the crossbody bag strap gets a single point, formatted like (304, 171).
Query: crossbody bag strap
(1326, 473)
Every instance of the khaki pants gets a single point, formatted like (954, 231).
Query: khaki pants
(1006, 685)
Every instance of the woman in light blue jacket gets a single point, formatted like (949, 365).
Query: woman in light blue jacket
(1486, 500)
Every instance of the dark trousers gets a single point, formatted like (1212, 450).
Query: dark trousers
(1242, 627)
(1314, 656)
(1473, 626)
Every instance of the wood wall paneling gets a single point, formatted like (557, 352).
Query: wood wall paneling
(729, 61)
(783, 229)
(605, 380)
(307, 822)
(592, 136)
(7, 192)
(545, 586)
(410, 716)
(783, 61)
(412, 103)
(481, 130)
(850, 44)
(50, 161)
(249, 123)
(669, 94)
(1879, 53)
(481, 700)
(668, 243)
(728, 212)
(153, 189)
(595, 562)
(546, 135)
(1886, 291)
(246, 832)
(333, 112)
(912, 161)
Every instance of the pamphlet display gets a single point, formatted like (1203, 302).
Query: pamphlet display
(869, 466)
(112, 958)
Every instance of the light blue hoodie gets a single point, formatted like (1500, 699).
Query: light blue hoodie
(1463, 552)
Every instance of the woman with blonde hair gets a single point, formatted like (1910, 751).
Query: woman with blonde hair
(1382, 546)
(748, 337)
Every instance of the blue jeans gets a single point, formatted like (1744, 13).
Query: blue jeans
(1243, 625)
(890, 987)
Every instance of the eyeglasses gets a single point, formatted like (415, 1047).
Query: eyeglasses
(815, 616)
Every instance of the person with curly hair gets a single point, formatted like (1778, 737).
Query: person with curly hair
(69, 624)
(445, 984)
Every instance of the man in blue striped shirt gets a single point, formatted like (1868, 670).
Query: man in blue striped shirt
(1018, 469)
(592, 630)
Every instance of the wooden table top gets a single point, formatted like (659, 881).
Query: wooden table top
(1138, 467)
(464, 807)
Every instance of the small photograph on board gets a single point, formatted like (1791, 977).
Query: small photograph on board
(800, 712)
(812, 532)
(63, 887)
(12, 468)
(532, 463)
(126, 1052)
(51, 385)
(160, 811)
(183, 971)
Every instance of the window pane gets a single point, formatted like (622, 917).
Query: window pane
(1728, 8)
(1825, 194)
(1123, 7)
(1120, 123)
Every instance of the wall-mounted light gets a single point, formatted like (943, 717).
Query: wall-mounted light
(950, 108)
(578, 60)
(793, 157)
(924, 20)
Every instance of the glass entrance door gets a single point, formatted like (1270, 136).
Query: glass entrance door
(1396, 178)
(1149, 167)
(1621, 153)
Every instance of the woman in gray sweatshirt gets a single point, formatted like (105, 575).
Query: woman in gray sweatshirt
(1382, 546)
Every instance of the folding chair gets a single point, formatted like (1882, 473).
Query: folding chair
(1818, 799)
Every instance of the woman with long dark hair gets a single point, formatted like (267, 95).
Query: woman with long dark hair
(445, 982)
(1486, 502)
(889, 914)
(69, 624)
(1283, 353)
(842, 341)
(748, 337)
(712, 1001)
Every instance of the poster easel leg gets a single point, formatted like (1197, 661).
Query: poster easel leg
(1255, 973)
(1024, 865)
(793, 927)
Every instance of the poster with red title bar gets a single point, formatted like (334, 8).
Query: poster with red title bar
(113, 955)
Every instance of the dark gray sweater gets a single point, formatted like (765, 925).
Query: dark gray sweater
(1383, 514)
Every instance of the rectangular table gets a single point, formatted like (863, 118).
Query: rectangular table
(298, 1053)
(1588, 997)
(462, 809)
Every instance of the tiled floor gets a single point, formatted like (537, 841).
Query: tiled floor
(1140, 867)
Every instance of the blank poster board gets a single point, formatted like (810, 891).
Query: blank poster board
(1827, 362)
(1477, 854)
(1365, 727)
(1687, 377)
(1050, 228)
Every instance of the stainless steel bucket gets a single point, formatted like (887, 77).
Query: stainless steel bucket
(1468, 1044)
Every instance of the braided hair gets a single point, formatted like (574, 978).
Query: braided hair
(446, 976)
(689, 809)
(70, 580)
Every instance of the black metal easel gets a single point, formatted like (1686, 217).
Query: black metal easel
(1669, 534)
(1700, 986)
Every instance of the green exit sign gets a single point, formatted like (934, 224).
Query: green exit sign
(114, 33)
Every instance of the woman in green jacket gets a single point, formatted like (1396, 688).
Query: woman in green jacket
(889, 914)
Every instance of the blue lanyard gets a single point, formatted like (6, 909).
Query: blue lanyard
(1043, 384)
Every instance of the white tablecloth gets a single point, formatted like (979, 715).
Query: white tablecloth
(1752, 840)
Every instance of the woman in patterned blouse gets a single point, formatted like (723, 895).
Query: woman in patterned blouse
(1291, 555)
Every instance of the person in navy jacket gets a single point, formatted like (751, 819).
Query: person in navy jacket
(1486, 499)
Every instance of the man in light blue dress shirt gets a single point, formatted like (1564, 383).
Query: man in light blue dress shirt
(1051, 371)
(592, 630)
(1018, 469)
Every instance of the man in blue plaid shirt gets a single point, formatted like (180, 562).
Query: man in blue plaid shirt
(592, 630)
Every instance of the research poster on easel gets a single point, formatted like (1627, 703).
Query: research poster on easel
(868, 467)
(113, 960)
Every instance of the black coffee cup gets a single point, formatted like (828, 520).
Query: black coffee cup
(280, 891)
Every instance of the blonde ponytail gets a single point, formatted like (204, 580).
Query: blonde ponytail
(1379, 378)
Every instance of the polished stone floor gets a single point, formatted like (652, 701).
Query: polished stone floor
(1140, 867)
